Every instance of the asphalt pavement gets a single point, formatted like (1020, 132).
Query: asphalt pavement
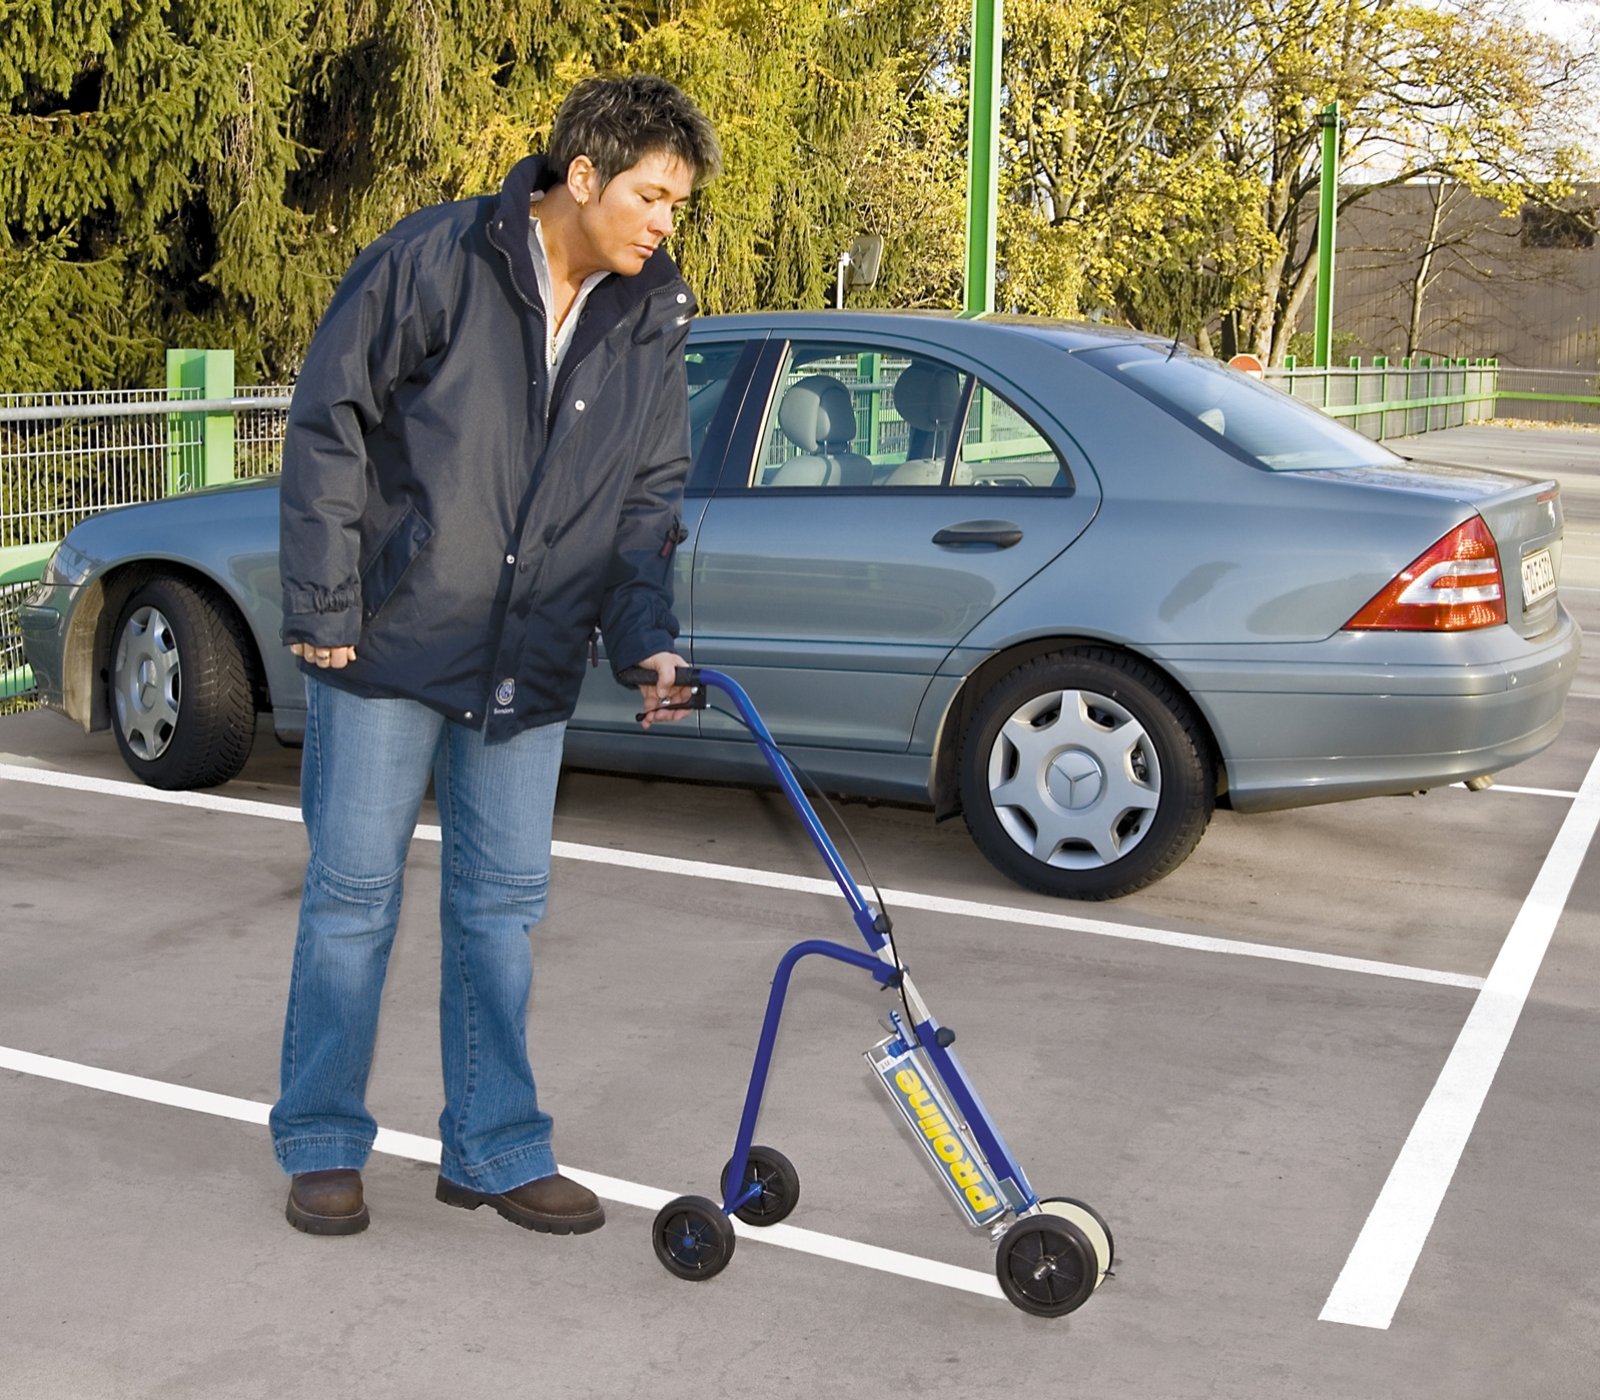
(1331, 1084)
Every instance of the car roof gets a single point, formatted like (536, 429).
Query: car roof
(1065, 335)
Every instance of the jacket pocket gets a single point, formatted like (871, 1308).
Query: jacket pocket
(394, 555)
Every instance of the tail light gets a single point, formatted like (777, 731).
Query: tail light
(1456, 586)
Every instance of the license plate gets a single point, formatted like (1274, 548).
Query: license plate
(1538, 578)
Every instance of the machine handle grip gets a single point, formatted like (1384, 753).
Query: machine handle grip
(643, 675)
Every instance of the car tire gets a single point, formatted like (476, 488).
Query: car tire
(182, 686)
(1085, 774)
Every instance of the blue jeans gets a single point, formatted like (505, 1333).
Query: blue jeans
(364, 770)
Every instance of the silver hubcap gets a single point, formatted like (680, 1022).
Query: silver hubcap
(1074, 779)
(147, 683)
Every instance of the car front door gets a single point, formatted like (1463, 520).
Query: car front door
(720, 371)
(890, 497)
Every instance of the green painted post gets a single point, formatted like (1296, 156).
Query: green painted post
(199, 445)
(983, 155)
(867, 371)
(1326, 238)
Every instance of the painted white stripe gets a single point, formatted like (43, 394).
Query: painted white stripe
(1037, 918)
(423, 1149)
(1527, 791)
(803, 884)
(1375, 1276)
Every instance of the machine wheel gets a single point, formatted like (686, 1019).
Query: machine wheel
(182, 697)
(1046, 1265)
(1091, 1222)
(1085, 774)
(780, 1186)
(693, 1238)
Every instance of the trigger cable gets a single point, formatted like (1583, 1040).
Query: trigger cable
(806, 781)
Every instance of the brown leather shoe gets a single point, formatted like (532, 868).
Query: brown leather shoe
(327, 1203)
(552, 1204)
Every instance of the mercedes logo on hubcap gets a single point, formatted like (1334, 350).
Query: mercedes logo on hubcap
(1076, 779)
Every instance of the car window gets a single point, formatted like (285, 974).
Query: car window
(711, 368)
(1002, 448)
(1253, 420)
(849, 416)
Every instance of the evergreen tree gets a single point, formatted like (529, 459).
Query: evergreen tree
(202, 171)
(143, 155)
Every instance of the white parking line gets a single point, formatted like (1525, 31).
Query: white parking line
(771, 879)
(1529, 791)
(1374, 1278)
(423, 1149)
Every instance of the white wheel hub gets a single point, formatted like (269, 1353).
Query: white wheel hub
(1074, 779)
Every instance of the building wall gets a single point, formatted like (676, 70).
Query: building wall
(1490, 293)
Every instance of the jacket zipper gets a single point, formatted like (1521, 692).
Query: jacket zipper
(676, 535)
(544, 334)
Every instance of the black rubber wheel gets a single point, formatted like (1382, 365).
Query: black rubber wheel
(182, 686)
(693, 1238)
(1085, 774)
(1087, 1219)
(1046, 1265)
(780, 1186)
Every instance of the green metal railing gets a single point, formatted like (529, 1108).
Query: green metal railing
(1424, 393)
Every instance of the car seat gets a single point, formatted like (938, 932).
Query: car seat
(928, 397)
(817, 417)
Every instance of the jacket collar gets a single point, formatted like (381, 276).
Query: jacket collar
(615, 299)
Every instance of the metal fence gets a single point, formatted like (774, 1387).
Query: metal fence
(1548, 395)
(1384, 401)
(65, 456)
(1423, 395)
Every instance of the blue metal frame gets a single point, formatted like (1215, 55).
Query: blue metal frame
(926, 1035)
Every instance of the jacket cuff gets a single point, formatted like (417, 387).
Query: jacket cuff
(639, 648)
(345, 598)
(323, 629)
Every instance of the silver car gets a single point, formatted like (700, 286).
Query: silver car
(1076, 584)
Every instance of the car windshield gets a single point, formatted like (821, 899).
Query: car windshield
(1255, 421)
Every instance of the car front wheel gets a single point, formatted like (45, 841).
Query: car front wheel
(1085, 774)
(182, 700)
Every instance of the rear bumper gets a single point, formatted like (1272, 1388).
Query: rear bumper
(1369, 714)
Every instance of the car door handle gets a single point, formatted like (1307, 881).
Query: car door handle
(1000, 533)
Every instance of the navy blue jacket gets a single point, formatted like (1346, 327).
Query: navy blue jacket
(461, 521)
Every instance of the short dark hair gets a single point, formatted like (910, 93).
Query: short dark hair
(617, 122)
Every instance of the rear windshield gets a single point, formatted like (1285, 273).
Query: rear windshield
(1255, 421)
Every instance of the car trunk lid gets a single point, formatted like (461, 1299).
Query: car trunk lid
(1524, 516)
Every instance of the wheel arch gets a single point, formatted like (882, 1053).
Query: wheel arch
(86, 670)
(946, 786)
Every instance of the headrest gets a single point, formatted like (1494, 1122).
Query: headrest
(927, 396)
(816, 414)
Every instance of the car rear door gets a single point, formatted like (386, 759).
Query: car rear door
(859, 533)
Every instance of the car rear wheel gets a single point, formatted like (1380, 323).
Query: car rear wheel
(1085, 774)
(182, 697)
